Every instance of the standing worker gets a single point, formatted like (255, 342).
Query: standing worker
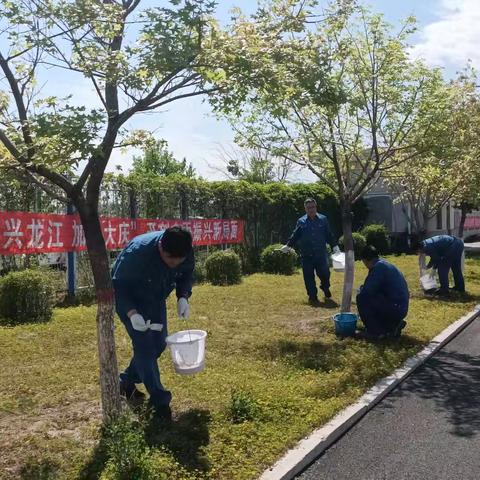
(144, 275)
(382, 300)
(445, 253)
(312, 234)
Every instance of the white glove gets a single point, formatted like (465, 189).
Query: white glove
(183, 308)
(336, 249)
(155, 326)
(285, 249)
(138, 323)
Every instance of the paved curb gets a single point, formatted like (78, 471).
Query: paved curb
(311, 447)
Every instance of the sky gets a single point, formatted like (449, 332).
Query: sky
(447, 36)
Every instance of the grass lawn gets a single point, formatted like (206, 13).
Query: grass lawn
(275, 371)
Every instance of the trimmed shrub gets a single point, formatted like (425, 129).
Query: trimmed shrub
(200, 272)
(26, 296)
(377, 235)
(274, 261)
(359, 243)
(249, 258)
(223, 268)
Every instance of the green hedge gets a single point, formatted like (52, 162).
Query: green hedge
(359, 243)
(274, 261)
(269, 210)
(223, 268)
(26, 296)
(377, 235)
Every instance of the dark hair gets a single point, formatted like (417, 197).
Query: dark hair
(369, 253)
(309, 200)
(177, 242)
(417, 246)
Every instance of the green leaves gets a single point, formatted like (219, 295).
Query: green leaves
(333, 91)
(157, 161)
(65, 135)
(446, 137)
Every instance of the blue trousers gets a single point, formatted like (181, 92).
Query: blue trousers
(379, 315)
(318, 265)
(143, 367)
(452, 261)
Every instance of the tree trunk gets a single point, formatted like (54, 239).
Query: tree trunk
(98, 255)
(417, 220)
(349, 257)
(132, 202)
(184, 207)
(461, 227)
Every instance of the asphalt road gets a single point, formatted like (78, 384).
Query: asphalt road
(427, 428)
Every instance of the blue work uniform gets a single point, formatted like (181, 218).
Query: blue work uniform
(445, 253)
(142, 281)
(383, 299)
(311, 236)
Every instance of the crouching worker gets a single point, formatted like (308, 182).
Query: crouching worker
(144, 275)
(445, 254)
(382, 301)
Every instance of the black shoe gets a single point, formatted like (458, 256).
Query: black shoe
(441, 292)
(314, 301)
(162, 414)
(131, 394)
(398, 331)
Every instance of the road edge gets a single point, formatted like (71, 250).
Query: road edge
(312, 446)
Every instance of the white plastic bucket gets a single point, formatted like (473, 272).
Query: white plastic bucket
(429, 281)
(338, 261)
(188, 351)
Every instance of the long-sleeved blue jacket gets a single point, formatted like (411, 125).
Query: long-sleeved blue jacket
(437, 247)
(142, 281)
(312, 236)
(386, 279)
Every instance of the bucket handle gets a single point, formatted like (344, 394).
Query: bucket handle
(180, 355)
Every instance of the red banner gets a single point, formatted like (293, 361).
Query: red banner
(22, 232)
(472, 222)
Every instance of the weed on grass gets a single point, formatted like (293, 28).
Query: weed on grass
(274, 371)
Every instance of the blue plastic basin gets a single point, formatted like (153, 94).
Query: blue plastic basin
(345, 324)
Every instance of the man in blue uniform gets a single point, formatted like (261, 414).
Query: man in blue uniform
(312, 234)
(144, 275)
(445, 254)
(382, 300)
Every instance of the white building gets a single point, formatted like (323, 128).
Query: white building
(384, 208)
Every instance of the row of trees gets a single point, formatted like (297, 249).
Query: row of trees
(332, 90)
(336, 92)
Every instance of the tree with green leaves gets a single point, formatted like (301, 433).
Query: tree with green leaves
(157, 160)
(467, 132)
(136, 60)
(253, 165)
(331, 90)
(449, 169)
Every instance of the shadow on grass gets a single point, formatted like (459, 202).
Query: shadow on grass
(184, 438)
(323, 356)
(40, 470)
(328, 303)
(452, 297)
(452, 381)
